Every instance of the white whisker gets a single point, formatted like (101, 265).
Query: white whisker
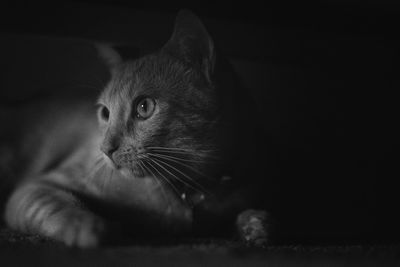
(170, 148)
(178, 161)
(164, 177)
(158, 163)
(178, 158)
(200, 188)
(102, 176)
(145, 169)
(179, 149)
(95, 169)
(198, 153)
(166, 198)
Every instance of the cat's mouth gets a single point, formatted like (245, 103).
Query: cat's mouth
(132, 172)
(129, 165)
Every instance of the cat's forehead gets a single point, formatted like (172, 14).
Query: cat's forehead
(121, 86)
(150, 75)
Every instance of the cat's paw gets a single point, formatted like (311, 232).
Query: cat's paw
(254, 227)
(77, 229)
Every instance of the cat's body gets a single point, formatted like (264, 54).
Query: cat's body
(160, 157)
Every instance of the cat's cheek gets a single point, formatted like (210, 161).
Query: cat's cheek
(126, 173)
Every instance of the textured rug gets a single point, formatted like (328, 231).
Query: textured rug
(24, 250)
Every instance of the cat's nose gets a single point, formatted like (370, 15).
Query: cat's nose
(109, 148)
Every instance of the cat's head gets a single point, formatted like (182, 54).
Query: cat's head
(160, 114)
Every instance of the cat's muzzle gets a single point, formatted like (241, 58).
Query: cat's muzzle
(129, 165)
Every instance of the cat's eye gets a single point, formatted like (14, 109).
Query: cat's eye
(104, 113)
(145, 108)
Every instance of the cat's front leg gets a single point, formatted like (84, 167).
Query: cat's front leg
(40, 207)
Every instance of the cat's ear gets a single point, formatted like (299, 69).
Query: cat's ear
(109, 55)
(192, 43)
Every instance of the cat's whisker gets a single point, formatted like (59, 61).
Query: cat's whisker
(175, 189)
(99, 177)
(144, 168)
(203, 154)
(179, 161)
(179, 149)
(159, 163)
(150, 162)
(177, 158)
(95, 168)
(193, 184)
(97, 159)
(158, 180)
(141, 167)
(92, 175)
(107, 178)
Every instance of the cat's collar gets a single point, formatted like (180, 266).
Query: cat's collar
(193, 198)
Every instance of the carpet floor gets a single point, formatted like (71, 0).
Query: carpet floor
(27, 250)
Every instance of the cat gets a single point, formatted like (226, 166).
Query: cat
(169, 150)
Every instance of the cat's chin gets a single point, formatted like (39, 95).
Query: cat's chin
(131, 173)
